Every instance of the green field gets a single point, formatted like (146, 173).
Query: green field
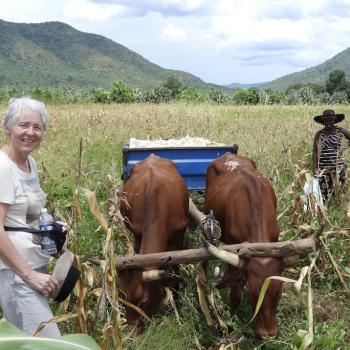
(278, 138)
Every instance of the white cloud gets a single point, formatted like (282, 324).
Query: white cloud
(187, 5)
(93, 12)
(263, 32)
(164, 7)
(173, 33)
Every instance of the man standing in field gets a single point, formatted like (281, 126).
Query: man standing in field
(328, 163)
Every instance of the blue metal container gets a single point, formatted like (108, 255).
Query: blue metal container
(191, 162)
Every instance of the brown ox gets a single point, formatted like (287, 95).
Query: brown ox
(244, 203)
(156, 213)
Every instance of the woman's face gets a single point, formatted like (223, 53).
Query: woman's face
(26, 132)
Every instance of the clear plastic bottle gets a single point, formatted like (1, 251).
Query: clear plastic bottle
(48, 246)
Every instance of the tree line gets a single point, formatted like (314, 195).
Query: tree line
(336, 90)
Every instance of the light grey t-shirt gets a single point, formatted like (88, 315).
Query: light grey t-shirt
(23, 192)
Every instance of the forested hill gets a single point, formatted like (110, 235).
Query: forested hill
(53, 54)
(317, 74)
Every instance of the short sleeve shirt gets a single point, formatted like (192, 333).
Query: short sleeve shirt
(22, 191)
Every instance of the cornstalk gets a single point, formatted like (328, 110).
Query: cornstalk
(117, 320)
(77, 208)
(81, 324)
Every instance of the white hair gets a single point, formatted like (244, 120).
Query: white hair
(17, 105)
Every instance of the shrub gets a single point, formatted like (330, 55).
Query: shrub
(157, 95)
(292, 97)
(306, 95)
(339, 97)
(250, 96)
(191, 95)
(217, 96)
(174, 86)
(274, 97)
(120, 93)
(99, 96)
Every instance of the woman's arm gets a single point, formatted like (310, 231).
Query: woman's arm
(345, 132)
(9, 254)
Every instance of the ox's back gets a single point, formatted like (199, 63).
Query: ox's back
(156, 203)
(242, 200)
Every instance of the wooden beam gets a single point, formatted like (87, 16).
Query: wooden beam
(283, 249)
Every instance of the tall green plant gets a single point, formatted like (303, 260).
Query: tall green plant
(11, 338)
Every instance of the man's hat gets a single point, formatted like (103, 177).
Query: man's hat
(327, 115)
(67, 276)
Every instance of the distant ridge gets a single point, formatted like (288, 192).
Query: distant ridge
(244, 86)
(317, 74)
(55, 54)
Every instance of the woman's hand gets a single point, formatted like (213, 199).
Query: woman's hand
(44, 283)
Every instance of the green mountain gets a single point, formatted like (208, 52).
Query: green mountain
(317, 74)
(55, 54)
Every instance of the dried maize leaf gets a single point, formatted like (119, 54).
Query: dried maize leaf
(106, 332)
(95, 210)
(222, 323)
(55, 319)
(203, 303)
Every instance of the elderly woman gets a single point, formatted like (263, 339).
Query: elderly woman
(24, 282)
(328, 162)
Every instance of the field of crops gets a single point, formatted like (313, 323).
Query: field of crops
(82, 152)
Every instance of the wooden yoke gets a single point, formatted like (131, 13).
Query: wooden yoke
(283, 249)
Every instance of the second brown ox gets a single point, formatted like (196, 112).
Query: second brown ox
(244, 203)
(156, 209)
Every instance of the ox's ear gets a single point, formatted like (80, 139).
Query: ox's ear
(253, 163)
(212, 173)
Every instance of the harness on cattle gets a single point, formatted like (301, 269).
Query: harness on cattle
(210, 229)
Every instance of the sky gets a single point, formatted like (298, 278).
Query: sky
(219, 41)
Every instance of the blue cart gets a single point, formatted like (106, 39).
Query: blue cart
(191, 162)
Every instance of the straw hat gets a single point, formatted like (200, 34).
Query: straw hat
(67, 276)
(327, 115)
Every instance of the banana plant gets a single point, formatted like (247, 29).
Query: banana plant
(11, 338)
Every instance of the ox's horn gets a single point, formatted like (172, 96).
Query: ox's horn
(228, 257)
(197, 215)
(153, 275)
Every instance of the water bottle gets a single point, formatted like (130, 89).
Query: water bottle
(48, 246)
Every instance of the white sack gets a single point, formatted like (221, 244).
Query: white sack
(312, 188)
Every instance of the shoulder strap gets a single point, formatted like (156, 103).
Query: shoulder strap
(23, 229)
